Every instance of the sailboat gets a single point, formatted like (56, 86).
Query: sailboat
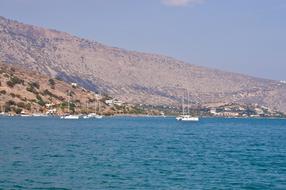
(70, 116)
(186, 117)
(93, 115)
(3, 112)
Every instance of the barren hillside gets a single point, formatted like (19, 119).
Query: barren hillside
(30, 92)
(131, 76)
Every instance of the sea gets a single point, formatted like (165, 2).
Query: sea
(142, 153)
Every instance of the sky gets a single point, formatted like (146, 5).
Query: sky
(244, 36)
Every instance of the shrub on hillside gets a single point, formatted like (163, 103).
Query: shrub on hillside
(35, 85)
(12, 70)
(14, 80)
(10, 103)
(48, 93)
(21, 104)
(7, 108)
(12, 95)
(61, 98)
(3, 92)
(52, 83)
(40, 101)
(59, 78)
(32, 89)
(24, 105)
(10, 84)
(18, 110)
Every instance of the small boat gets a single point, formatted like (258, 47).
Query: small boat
(70, 117)
(92, 115)
(187, 118)
(39, 115)
(25, 115)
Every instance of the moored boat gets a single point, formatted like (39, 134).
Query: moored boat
(70, 117)
(39, 115)
(186, 117)
(92, 115)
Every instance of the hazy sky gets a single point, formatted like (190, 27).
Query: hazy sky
(246, 36)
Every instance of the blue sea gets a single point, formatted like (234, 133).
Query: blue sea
(142, 153)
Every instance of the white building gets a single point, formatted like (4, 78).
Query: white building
(51, 111)
(114, 102)
(50, 105)
(109, 102)
(259, 111)
(74, 84)
(213, 111)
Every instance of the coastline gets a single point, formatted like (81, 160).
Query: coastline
(142, 116)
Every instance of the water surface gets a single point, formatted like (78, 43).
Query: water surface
(142, 153)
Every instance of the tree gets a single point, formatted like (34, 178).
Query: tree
(52, 83)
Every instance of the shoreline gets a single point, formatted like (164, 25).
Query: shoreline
(144, 116)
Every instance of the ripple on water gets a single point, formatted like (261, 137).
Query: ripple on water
(139, 153)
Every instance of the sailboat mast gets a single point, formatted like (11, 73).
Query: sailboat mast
(183, 107)
(99, 103)
(86, 107)
(95, 99)
(69, 104)
(188, 103)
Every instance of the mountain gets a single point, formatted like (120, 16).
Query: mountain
(30, 92)
(128, 75)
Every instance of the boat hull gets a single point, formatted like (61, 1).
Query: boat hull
(92, 116)
(187, 118)
(71, 117)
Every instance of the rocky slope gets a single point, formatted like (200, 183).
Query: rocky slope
(130, 76)
(28, 92)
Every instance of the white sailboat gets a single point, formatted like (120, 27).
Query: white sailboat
(186, 117)
(70, 116)
(3, 111)
(39, 115)
(93, 115)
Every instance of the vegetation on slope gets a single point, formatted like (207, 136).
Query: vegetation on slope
(23, 92)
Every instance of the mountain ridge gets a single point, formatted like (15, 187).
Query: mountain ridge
(131, 76)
